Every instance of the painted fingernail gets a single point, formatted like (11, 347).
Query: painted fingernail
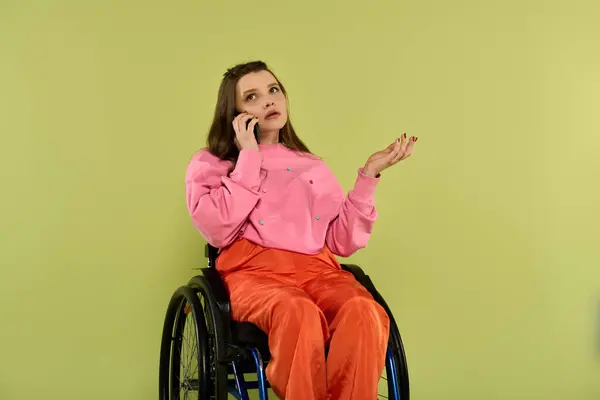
(415, 139)
(404, 136)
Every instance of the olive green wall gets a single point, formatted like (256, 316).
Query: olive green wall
(487, 243)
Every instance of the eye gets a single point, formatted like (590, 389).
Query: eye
(274, 89)
(251, 96)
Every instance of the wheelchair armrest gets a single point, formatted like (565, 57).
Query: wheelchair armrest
(219, 291)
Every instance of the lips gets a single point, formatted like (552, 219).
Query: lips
(272, 115)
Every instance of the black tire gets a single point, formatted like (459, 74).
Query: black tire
(178, 318)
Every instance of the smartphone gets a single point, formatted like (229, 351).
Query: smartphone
(256, 130)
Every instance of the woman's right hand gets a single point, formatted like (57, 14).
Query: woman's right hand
(244, 132)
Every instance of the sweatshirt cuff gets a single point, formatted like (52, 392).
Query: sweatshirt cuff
(364, 187)
(247, 169)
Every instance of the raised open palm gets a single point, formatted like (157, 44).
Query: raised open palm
(400, 149)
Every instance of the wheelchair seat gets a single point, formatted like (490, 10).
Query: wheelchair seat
(206, 355)
(248, 334)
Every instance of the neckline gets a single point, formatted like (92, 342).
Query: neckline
(273, 146)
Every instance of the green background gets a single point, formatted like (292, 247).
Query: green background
(487, 243)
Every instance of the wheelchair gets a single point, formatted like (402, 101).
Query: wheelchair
(205, 355)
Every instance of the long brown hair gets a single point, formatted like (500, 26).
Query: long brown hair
(221, 136)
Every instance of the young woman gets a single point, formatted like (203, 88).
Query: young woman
(279, 217)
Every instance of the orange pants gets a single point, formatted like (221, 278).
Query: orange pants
(306, 303)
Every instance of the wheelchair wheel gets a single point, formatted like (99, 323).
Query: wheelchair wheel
(186, 361)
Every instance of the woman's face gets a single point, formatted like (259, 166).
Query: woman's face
(259, 94)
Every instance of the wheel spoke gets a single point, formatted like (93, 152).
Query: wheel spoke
(190, 329)
(183, 349)
(183, 366)
(382, 387)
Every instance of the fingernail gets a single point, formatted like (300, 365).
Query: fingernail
(415, 139)
(404, 136)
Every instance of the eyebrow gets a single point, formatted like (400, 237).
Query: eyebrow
(254, 90)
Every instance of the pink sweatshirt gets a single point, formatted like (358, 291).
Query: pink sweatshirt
(279, 198)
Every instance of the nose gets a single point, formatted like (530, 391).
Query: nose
(268, 104)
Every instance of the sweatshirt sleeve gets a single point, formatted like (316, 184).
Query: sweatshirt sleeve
(220, 204)
(351, 229)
